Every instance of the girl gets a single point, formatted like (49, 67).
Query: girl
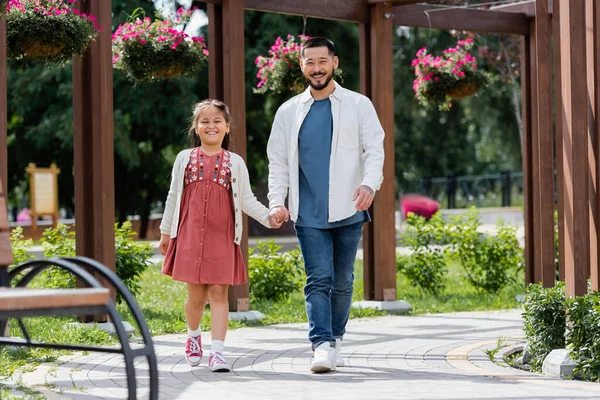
(201, 227)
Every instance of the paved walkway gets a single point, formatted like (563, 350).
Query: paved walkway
(425, 357)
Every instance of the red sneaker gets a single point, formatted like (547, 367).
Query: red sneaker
(217, 363)
(193, 350)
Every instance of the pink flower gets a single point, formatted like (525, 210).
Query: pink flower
(205, 52)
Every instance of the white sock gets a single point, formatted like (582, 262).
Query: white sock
(338, 344)
(217, 346)
(195, 332)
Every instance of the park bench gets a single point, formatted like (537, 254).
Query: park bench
(18, 301)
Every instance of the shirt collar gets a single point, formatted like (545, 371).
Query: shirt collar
(337, 93)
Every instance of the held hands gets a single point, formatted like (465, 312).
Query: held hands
(363, 197)
(278, 216)
(164, 244)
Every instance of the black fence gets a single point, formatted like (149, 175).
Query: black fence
(493, 190)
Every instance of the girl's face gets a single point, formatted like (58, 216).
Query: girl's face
(212, 127)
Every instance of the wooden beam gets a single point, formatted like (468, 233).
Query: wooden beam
(382, 86)
(593, 60)
(535, 157)
(368, 239)
(348, 10)
(3, 107)
(93, 142)
(575, 143)
(460, 18)
(215, 46)
(558, 138)
(523, 7)
(234, 96)
(545, 143)
(526, 111)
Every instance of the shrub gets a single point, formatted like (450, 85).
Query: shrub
(426, 267)
(583, 335)
(47, 32)
(544, 321)
(490, 262)
(131, 257)
(274, 276)
(20, 246)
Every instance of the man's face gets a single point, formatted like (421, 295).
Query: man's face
(318, 66)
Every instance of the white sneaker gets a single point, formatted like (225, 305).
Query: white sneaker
(339, 360)
(323, 358)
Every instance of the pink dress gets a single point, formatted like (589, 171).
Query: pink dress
(203, 250)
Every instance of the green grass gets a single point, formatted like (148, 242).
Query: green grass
(458, 295)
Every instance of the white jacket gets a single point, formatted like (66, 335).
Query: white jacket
(356, 151)
(243, 198)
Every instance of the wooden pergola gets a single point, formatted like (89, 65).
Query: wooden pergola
(553, 37)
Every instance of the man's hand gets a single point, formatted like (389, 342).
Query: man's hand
(278, 216)
(363, 197)
(164, 244)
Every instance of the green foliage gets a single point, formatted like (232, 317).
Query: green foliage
(280, 71)
(151, 50)
(272, 275)
(583, 335)
(491, 261)
(452, 75)
(544, 321)
(36, 35)
(131, 256)
(426, 266)
(20, 246)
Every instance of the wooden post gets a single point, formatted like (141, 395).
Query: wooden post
(234, 95)
(526, 111)
(93, 142)
(544, 146)
(368, 244)
(215, 46)
(384, 217)
(593, 61)
(3, 108)
(575, 145)
(558, 130)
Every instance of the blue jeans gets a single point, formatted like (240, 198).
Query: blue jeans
(329, 256)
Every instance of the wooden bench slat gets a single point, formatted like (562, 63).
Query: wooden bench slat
(30, 299)
(6, 257)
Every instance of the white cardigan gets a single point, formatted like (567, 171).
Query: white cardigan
(356, 151)
(243, 197)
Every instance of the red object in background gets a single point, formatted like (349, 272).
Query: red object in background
(419, 205)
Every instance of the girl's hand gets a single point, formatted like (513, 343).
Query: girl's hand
(164, 244)
(278, 216)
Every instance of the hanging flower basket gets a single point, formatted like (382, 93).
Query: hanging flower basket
(279, 72)
(454, 75)
(47, 32)
(149, 51)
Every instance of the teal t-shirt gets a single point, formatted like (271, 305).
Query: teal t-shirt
(314, 150)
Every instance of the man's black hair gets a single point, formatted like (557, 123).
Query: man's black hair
(318, 41)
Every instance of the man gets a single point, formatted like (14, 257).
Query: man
(326, 150)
